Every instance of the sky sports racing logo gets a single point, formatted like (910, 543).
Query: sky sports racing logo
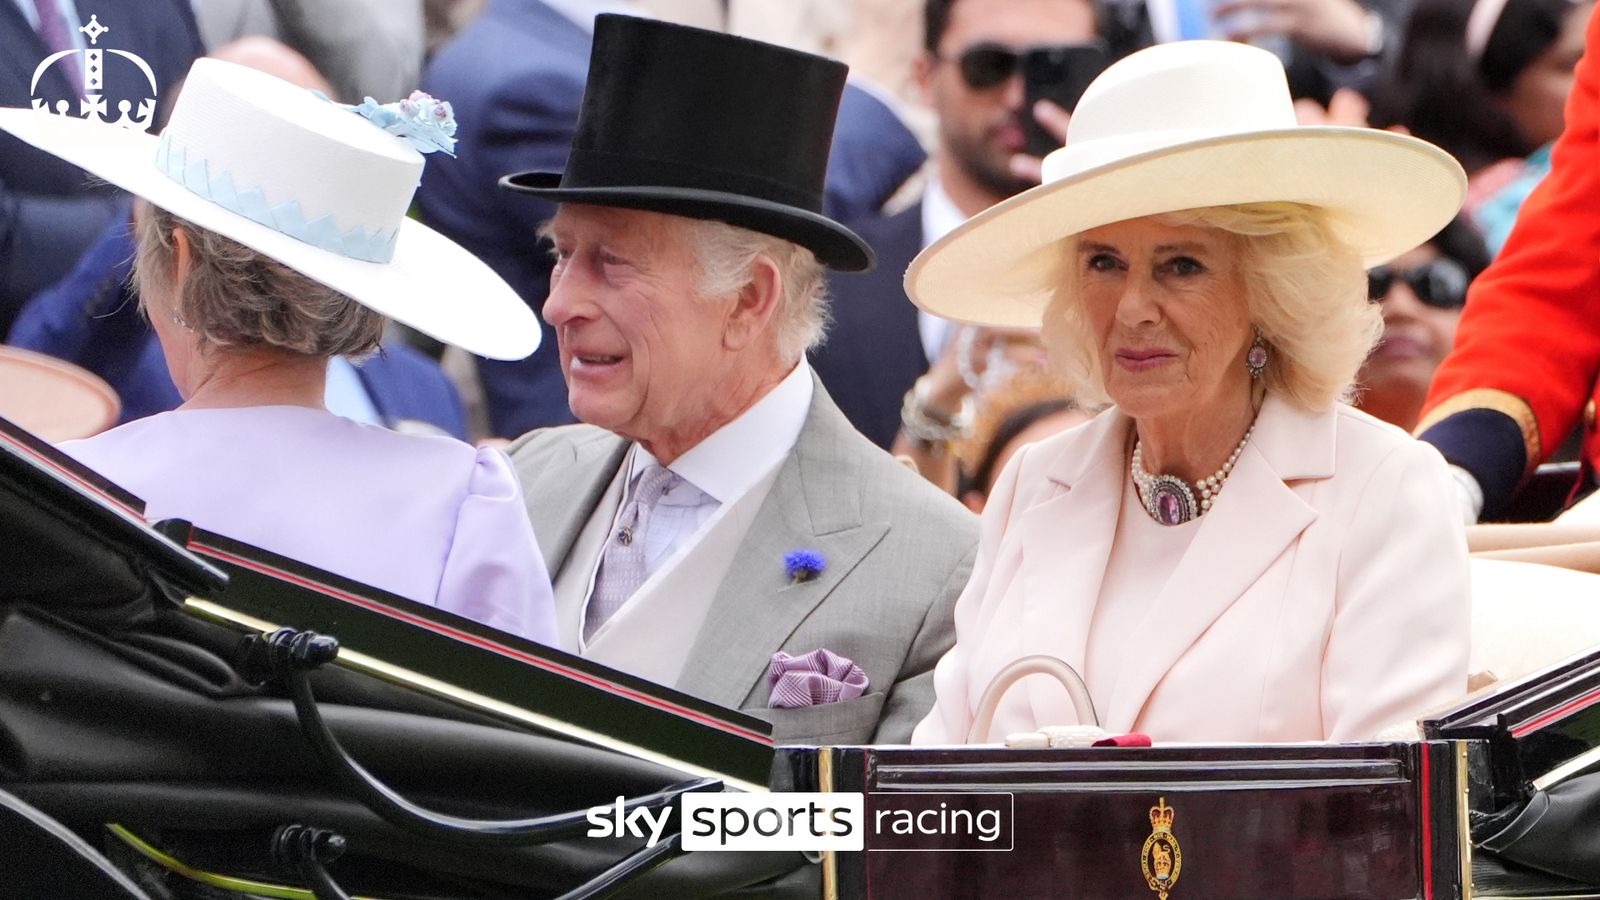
(817, 822)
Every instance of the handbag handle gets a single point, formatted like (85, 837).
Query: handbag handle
(290, 655)
(1038, 664)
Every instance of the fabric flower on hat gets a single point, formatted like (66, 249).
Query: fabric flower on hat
(427, 123)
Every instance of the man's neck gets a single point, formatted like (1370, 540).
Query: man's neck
(725, 406)
(967, 194)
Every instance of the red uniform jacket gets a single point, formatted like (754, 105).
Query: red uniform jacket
(1527, 353)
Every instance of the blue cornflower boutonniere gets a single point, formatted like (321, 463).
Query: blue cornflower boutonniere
(803, 565)
(426, 123)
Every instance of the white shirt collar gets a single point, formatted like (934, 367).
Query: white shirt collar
(29, 13)
(739, 454)
(940, 215)
(582, 12)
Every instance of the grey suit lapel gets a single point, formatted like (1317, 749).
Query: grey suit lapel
(814, 504)
(565, 492)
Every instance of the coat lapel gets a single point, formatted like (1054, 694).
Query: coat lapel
(583, 480)
(813, 505)
(1256, 518)
(1066, 542)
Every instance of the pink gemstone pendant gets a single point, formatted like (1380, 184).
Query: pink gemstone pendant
(1171, 501)
(1167, 507)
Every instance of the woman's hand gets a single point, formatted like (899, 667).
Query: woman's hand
(946, 386)
(1338, 29)
(946, 393)
(1347, 108)
(963, 369)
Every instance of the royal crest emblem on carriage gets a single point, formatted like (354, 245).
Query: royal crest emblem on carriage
(1161, 858)
(91, 62)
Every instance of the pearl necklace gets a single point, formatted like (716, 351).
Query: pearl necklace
(1168, 499)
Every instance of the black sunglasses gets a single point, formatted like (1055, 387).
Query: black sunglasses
(1441, 284)
(986, 65)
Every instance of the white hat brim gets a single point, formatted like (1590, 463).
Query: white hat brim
(432, 284)
(1385, 193)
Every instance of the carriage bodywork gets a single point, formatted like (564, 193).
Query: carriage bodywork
(1500, 798)
(221, 721)
(1420, 819)
(144, 715)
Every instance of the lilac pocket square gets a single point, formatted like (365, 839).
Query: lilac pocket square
(812, 679)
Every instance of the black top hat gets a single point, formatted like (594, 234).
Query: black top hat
(710, 126)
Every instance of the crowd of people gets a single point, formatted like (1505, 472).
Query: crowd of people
(822, 390)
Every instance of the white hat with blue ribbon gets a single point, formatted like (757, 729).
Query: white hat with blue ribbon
(319, 187)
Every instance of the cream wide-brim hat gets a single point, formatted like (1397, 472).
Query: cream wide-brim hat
(311, 167)
(52, 398)
(1179, 126)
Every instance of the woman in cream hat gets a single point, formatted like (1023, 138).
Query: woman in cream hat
(1230, 552)
(272, 237)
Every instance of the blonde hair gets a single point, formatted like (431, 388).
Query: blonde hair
(234, 296)
(1306, 294)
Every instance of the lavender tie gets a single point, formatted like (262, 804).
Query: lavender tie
(622, 565)
(53, 31)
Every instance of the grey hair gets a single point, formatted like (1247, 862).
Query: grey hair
(236, 297)
(1306, 291)
(726, 255)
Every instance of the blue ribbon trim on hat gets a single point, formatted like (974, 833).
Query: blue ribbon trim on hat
(286, 218)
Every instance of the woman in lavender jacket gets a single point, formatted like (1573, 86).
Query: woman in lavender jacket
(272, 238)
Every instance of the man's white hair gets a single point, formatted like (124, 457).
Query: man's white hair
(727, 255)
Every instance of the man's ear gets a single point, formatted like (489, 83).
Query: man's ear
(754, 306)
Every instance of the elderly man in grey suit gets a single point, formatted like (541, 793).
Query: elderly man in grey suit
(718, 525)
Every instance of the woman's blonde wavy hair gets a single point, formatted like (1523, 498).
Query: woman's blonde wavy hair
(1307, 295)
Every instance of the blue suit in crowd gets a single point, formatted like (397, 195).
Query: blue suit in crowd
(515, 76)
(874, 352)
(48, 217)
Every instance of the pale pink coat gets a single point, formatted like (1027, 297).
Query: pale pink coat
(1324, 597)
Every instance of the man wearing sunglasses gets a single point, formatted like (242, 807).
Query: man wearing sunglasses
(970, 75)
(1422, 293)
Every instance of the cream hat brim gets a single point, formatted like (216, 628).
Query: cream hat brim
(1386, 194)
(432, 284)
(52, 398)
